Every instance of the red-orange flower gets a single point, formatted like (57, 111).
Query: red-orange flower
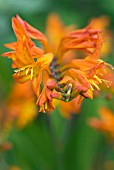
(45, 100)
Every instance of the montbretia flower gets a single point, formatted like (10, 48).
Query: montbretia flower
(86, 74)
(53, 69)
(45, 99)
(105, 123)
(28, 59)
(103, 23)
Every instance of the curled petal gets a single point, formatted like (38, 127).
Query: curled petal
(52, 84)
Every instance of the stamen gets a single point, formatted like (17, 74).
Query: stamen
(16, 71)
(31, 73)
(109, 65)
(27, 71)
(97, 78)
(100, 74)
(91, 88)
(68, 92)
(97, 87)
(108, 83)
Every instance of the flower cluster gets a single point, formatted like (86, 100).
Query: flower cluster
(56, 69)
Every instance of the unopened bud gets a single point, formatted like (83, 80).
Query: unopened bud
(52, 84)
(57, 95)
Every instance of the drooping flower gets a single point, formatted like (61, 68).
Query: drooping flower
(50, 75)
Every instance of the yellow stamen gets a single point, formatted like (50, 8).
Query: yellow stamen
(97, 87)
(91, 88)
(97, 78)
(108, 83)
(27, 71)
(31, 73)
(45, 105)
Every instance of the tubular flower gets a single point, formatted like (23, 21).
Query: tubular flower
(52, 77)
(102, 23)
(24, 55)
(105, 123)
(45, 100)
(55, 31)
(86, 74)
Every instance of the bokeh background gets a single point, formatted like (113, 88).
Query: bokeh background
(51, 142)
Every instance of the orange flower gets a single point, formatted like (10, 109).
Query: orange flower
(32, 32)
(105, 123)
(103, 23)
(21, 104)
(24, 55)
(51, 76)
(86, 74)
(84, 39)
(45, 100)
(55, 31)
(87, 79)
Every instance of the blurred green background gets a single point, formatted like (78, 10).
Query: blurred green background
(52, 142)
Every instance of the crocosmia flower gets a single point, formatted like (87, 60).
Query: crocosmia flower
(55, 69)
